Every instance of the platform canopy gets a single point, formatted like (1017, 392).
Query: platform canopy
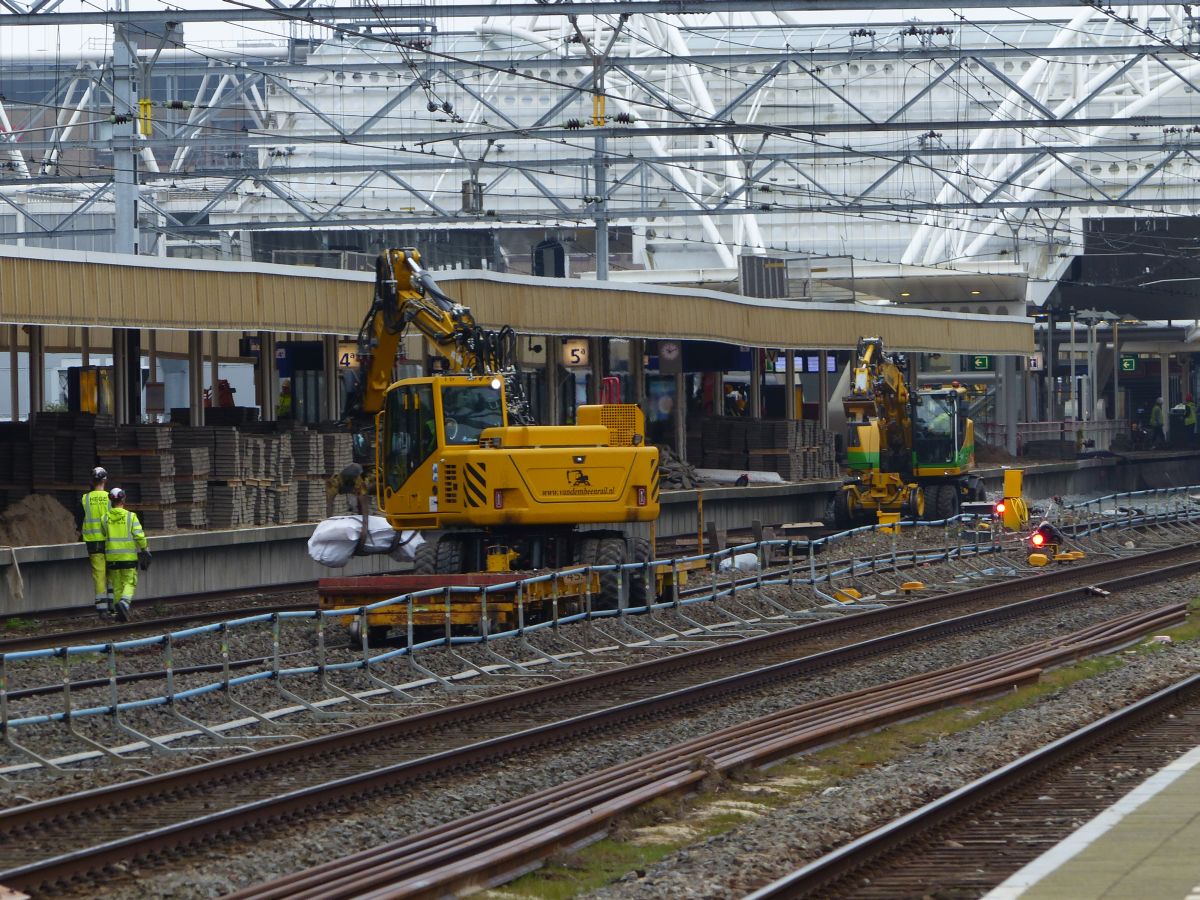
(41, 287)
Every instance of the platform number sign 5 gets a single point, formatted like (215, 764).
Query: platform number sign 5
(575, 353)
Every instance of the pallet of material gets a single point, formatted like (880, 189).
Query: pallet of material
(155, 437)
(190, 490)
(192, 461)
(157, 519)
(339, 452)
(310, 500)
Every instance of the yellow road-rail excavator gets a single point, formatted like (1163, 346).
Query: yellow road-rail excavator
(456, 454)
(909, 453)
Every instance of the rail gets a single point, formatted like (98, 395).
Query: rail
(816, 877)
(801, 569)
(492, 845)
(49, 838)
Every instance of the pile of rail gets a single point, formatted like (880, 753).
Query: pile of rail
(975, 837)
(485, 848)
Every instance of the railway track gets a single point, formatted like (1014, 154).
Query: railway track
(47, 842)
(103, 633)
(98, 634)
(971, 840)
(489, 847)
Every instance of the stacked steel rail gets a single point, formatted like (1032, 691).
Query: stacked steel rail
(486, 848)
(46, 837)
(954, 843)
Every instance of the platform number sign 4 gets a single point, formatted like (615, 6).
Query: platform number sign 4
(347, 355)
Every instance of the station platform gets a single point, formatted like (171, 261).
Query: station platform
(47, 578)
(55, 577)
(1143, 846)
(734, 508)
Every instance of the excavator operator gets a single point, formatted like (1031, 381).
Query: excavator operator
(469, 409)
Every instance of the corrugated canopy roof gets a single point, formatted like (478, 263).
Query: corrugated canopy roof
(110, 290)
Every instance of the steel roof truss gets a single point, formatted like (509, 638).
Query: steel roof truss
(312, 108)
(286, 196)
(420, 195)
(1013, 86)
(1154, 170)
(1095, 93)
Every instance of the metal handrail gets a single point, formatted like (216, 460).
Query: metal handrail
(801, 570)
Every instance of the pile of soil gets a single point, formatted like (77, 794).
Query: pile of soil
(988, 454)
(37, 519)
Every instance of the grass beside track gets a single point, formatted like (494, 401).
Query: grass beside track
(669, 824)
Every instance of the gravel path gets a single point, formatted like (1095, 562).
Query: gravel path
(275, 853)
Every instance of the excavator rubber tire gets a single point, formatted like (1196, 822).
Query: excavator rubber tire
(945, 501)
(449, 556)
(915, 505)
(837, 513)
(641, 586)
(610, 551)
(425, 560)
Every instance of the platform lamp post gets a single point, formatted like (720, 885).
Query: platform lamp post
(1073, 391)
(1093, 318)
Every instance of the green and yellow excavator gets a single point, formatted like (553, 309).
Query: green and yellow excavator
(909, 453)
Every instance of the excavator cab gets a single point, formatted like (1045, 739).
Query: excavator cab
(469, 409)
(425, 417)
(940, 438)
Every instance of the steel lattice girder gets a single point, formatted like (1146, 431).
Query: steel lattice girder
(1019, 145)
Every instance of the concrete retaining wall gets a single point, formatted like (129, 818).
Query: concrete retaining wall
(58, 577)
(734, 508)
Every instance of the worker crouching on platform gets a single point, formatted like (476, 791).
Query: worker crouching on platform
(125, 550)
(95, 511)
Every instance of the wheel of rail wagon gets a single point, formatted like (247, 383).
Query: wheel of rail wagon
(425, 559)
(376, 635)
(945, 501)
(610, 551)
(977, 492)
(641, 584)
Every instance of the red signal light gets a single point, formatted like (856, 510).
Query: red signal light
(1001, 507)
(1037, 539)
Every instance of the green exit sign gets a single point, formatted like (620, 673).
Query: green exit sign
(1129, 363)
(981, 363)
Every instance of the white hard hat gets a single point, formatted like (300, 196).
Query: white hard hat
(116, 495)
(99, 473)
